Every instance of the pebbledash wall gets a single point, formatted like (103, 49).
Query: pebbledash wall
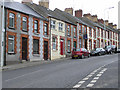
(18, 33)
(56, 53)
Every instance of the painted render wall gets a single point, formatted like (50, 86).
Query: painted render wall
(55, 54)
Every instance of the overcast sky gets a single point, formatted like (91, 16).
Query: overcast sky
(88, 6)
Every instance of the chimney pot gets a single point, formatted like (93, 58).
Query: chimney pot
(78, 13)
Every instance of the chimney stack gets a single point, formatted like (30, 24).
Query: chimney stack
(78, 13)
(27, 1)
(94, 18)
(106, 22)
(88, 15)
(110, 24)
(69, 10)
(44, 3)
(101, 21)
(115, 26)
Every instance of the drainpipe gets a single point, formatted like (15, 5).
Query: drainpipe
(50, 36)
(2, 37)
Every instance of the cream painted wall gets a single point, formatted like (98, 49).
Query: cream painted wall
(55, 54)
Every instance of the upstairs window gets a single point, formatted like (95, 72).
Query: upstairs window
(24, 23)
(45, 29)
(80, 32)
(85, 30)
(68, 30)
(90, 32)
(11, 20)
(36, 26)
(74, 32)
(60, 26)
(53, 24)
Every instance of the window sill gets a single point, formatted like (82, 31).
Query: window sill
(24, 30)
(11, 28)
(10, 53)
(36, 33)
(36, 55)
(54, 50)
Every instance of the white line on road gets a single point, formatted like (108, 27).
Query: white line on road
(90, 85)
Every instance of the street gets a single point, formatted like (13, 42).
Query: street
(93, 72)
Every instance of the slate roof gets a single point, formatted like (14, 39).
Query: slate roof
(21, 8)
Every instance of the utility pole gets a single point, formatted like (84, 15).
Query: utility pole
(2, 37)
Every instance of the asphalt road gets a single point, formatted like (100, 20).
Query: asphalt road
(93, 72)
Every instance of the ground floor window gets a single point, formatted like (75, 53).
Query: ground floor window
(54, 43)
(74, 45)
(11, 44)
(90, 45)
(35, 46)
(80, 43)
(69, 46)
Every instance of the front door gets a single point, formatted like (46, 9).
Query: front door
(24, 48)
(85, 43)
(45, 50)
(61, 47)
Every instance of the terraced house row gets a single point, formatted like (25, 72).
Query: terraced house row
(34, 32)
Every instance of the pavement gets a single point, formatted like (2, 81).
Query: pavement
(64, 73)
(29, 64)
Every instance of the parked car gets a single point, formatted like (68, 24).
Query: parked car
(80, 53)
(114, 48)
(98, 51)
(108, 49)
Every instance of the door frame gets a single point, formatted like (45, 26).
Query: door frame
(44, 39)
(25, 36)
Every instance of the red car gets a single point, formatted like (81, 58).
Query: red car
(80, 53)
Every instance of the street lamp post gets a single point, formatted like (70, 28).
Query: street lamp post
(104, 19)
(2, 37)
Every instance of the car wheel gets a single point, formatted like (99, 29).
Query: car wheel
(99, 54)
(82, 56)
(88, 55)
(73, 58)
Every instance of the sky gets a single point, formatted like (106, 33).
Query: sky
(98, 7)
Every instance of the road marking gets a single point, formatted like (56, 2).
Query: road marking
(101, 72)
(96, 78)
(99, 75)
(23, 75)
(93, 81)
(85, 79)
(89, 76)
(90, 85)
(81, 82)
(77, 86)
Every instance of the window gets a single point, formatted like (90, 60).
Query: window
(83, 29)
(68, 30)
(53, 24)
(69, 46)
(94, 33)
(90, 32)
(11, 20)
(90, 44)
(75, 32)
(80, 43)
(98, 43)
(83, 43)
(35, 46)
(45, 29)
(36, 26)
(11, 44)
(102, 33)
(98, 32)
(24, 23)
(54, 43)
(80, 30)
(74, 45)
(60, 26)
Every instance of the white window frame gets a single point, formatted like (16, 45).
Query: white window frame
(60, 26)
(12, 16)
(35, 23)
(54, 43)
(68, 29)
(53, 22)
(24, 19)
(68, 46)
(74, 32)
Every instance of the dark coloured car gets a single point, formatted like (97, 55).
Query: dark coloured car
(108, 49)
(80, 53)
(114, 48)
(98, 52)
(118, 50)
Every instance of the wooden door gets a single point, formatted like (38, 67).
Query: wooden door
(61, 47)
(45, 50)
(24, 48)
